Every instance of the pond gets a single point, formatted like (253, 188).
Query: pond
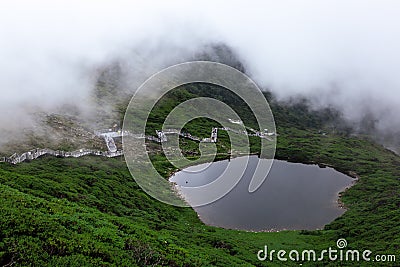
(293, 197)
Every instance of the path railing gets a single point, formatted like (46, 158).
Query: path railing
(36, 153)
(113, 152)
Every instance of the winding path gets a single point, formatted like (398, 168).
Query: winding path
(112, 148)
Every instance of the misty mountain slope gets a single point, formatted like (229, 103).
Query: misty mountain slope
(53, 131)
(112, 84)
(70, 124)
(89, 211)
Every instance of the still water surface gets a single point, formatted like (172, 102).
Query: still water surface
(294, 196)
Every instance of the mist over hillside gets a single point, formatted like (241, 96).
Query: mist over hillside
(79, 59)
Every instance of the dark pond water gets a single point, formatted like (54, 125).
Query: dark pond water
(294, 196)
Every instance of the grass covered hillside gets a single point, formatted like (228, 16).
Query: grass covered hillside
(90, 212)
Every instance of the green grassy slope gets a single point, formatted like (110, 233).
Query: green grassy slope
(77, 211)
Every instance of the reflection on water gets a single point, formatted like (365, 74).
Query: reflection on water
(294, 196)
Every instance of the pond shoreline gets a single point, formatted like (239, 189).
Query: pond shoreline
(337, 202)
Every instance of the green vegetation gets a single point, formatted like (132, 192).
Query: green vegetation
(90, 212)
